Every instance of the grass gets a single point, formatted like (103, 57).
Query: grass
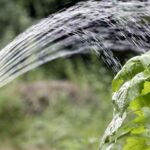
(63, 125)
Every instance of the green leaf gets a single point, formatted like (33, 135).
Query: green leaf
(131, 92)
(137, 143)
(130, 69)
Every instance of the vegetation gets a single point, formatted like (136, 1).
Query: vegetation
(67, 122)
(131, 96)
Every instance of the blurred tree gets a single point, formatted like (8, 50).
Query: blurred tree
(16, 15)
(39, 9)
(13, 20)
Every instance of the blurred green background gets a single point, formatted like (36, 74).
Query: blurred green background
(62, 105)
(17, 15)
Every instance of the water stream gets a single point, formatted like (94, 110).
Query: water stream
(99, 26)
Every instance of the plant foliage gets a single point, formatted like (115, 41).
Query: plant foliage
(130, 126)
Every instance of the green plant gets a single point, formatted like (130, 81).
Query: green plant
(130, 126)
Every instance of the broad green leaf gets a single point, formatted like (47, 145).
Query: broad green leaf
(137, 143)
(131, 92)
(130, 69)
(146, 88)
